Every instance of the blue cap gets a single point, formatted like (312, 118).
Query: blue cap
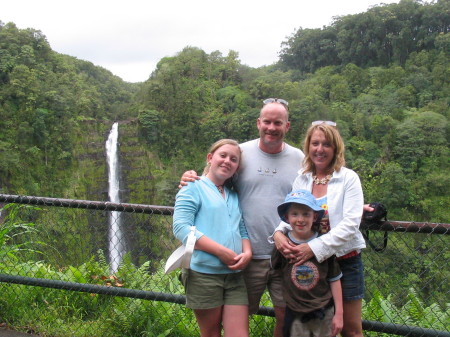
(302, 197)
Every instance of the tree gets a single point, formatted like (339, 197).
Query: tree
(391, 187)
(149, 122)
(419, 138)
(309, 49)
(385, 34)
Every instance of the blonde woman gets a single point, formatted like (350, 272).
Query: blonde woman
(338, 190)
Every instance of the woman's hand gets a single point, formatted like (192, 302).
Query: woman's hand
(297, 254)
(224, 254)
(301, 254)
(367, 208)
(188, 176)
(283, 244)
(242, 260)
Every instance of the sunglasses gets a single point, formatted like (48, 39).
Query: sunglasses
(331, 123)
(276, 100)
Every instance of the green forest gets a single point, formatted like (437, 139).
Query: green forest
(382, 75)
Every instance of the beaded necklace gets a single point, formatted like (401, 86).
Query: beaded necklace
(322, 181)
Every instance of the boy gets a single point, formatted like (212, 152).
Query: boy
(310, 289)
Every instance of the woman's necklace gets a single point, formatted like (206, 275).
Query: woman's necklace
(322, 181)
(220, 188)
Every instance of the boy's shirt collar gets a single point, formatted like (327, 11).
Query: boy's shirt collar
(298, 242)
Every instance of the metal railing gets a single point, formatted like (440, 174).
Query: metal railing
(56, 257)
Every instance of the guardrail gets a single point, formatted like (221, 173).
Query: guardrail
(57, 251)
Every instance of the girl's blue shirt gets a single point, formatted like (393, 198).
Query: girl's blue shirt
(200, 204)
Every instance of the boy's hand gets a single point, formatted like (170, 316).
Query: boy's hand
(337, 324)
(187, 176)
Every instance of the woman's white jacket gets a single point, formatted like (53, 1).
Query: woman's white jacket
(345, 202)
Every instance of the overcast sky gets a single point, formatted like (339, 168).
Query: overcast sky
(130, 37)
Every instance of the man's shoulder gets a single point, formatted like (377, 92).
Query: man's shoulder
(294, 151)
(248, 143)
(293, 148)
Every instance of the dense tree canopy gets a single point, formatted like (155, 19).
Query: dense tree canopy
(389, 94)
(383, 76)
(43, 96)
(379, 37)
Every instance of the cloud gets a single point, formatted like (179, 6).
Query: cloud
(129, 38)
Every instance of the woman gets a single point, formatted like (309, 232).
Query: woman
(338, 189)
(215, 288)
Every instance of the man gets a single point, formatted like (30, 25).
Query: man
(267, 171)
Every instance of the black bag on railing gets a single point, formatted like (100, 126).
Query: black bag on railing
(379, 212)
(375, 218)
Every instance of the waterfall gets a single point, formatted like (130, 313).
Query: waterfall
(115, 235)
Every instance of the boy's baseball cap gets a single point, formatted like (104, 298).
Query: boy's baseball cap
(302, 197)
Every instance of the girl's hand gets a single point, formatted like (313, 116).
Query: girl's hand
(227, 256)
(241, 261)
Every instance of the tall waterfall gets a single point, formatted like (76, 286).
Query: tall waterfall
(115, 234)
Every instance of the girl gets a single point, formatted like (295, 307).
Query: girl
(214, 285)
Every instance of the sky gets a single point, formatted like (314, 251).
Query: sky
(130, 37)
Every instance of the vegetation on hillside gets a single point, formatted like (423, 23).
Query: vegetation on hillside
(382, 36)
(382, 75)
(392, 111)
(45, 98)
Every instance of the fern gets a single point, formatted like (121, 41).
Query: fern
(414, 306)
(13, 229)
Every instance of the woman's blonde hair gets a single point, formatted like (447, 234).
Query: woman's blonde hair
(214, 148)
(333, 136)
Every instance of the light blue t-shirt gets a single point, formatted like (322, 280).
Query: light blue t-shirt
(325, 221)
(200, 204)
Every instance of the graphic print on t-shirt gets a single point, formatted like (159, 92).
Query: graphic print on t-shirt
(305, 276)
(267, 171)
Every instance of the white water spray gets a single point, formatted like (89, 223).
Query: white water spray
(115, 235)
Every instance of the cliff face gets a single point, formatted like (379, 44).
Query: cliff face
(141, 182)
(89, 178)
(136, 166)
